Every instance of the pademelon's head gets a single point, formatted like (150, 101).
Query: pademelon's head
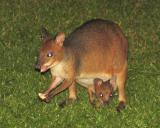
(103, 90)
(51, 51)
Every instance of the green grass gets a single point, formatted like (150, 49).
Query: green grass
(20, 23)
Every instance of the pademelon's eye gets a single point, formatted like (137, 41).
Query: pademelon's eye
(101, 95)
(50, 54)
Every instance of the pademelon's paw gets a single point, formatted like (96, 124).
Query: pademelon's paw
(44, 97)
(66, 102)
(120, 106)
(93, 102)
(62, 104)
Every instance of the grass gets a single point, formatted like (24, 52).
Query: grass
(20, 23)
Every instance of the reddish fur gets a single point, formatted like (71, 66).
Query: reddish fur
(102, 89)
(97, 48)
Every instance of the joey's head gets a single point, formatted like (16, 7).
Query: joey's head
(51, 51)
(103, 90)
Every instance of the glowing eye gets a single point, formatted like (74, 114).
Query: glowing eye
(101, 95)
(50, 54)
(111, 95)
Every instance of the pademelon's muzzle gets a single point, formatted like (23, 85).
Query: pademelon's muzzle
(106, 102)
(37, 66)
(41, 68)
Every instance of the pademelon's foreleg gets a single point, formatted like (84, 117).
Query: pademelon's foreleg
(65, 84)
(53, 85)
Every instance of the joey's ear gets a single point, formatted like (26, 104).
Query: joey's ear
(45, 35)
(98, 82)
(112, 82)
(60, 39)
(108, 83)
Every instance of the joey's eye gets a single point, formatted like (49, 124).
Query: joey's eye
(50, 54)
(101, 95)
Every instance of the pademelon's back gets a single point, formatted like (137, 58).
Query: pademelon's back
(95, 42)
(95, 33)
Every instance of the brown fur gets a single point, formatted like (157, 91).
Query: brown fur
(103, 90)
(97, 49)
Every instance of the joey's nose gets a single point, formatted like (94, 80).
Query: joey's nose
(106, 102)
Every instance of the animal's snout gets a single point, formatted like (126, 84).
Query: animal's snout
(41, 68)
(37, 66)
(105, 102)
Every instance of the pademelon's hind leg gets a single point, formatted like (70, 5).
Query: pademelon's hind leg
(121, 81)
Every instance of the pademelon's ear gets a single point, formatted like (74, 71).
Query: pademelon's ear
(60, 39)
(98, 82)
(112, 81)
(45, 35)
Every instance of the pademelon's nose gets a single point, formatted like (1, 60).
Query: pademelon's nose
(105, 103)
(37, 66)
